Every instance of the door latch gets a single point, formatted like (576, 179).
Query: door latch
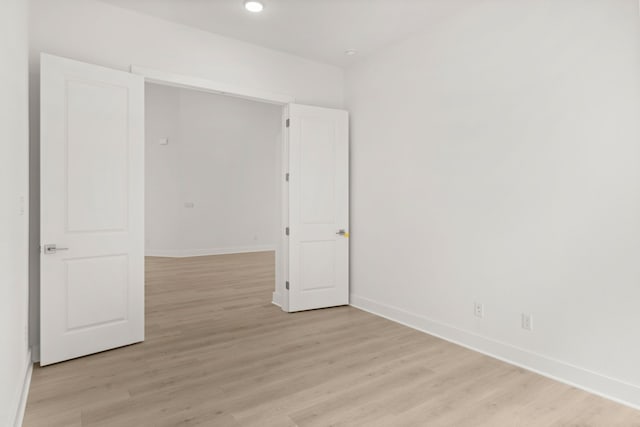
(52, 249)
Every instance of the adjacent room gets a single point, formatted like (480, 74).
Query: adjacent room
(212, 173)
(320, 213)
(212, 185)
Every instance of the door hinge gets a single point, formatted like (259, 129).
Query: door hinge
(286, 285)
(286, 231)
(287, 123)
(286, 177)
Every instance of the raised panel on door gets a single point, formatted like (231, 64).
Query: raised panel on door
(92, 183)
(318, 208)
(102, 303)
(97, 156)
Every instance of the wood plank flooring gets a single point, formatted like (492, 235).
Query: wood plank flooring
(218, 353)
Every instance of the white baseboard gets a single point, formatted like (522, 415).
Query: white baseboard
(275, 299)
(24, 394)
(184, 253)
(602, 385)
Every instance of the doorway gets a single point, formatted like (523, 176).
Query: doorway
(213, 182)
(93, 196)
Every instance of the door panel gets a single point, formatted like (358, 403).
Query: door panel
(97, 148)
(92, 199)
(318, 208)
(102, 303)
(317, 259)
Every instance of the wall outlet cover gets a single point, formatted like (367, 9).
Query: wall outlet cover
(478, 309)
(527, 322)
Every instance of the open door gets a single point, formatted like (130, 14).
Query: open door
(318, 207)
(92, 209)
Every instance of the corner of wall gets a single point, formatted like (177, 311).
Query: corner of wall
(276, 299)
(21, 405)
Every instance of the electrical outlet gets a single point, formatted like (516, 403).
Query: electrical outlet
(527, 322)
(478, 309)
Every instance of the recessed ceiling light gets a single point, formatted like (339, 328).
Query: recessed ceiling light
(350, 52)
(253, 6)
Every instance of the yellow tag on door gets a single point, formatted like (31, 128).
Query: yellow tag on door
(346, 235)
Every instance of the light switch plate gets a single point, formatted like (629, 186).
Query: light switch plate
(163, 141)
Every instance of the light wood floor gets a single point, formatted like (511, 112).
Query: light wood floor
(218, 353)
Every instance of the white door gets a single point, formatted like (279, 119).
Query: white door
(92, 198)
(318, 207)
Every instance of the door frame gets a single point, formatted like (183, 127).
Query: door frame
(280, 295)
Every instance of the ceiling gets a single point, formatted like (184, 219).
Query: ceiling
(320, 30)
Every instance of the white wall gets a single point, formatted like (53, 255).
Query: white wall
(224, 157)
(496, 159)
(14, 145)
(98, 33)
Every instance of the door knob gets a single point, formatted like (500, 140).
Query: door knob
(52, 249)
(342, 232)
